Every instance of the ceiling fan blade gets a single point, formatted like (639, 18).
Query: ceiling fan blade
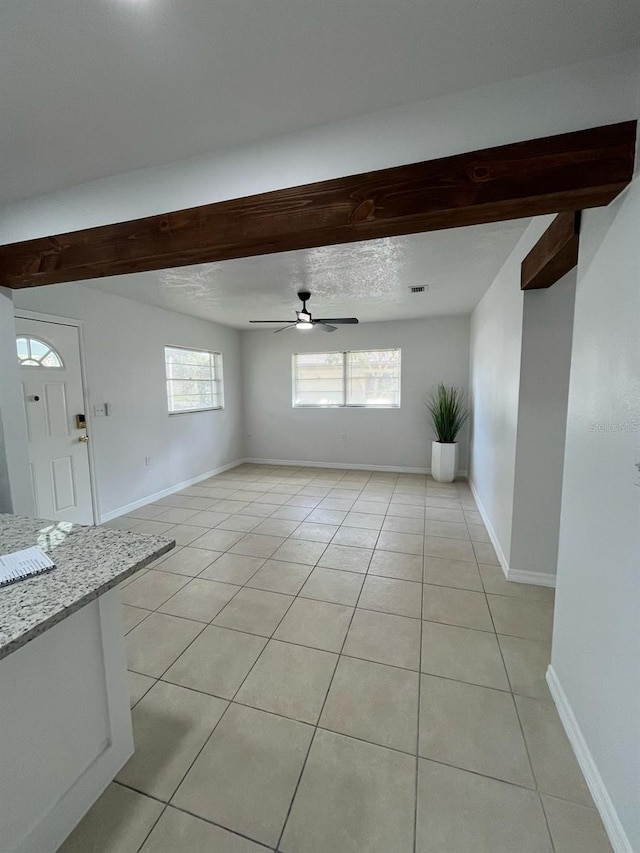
(269, 321)
(325, 326)
(339, 321)
(284, 328)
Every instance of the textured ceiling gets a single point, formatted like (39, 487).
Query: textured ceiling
(90, 88)
(370, 280)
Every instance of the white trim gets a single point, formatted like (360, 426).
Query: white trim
(304, 463)
(88, 416)
(492, 534)
(354, 466)
(214, 368)
(345, 371)
(536, 578)
(123, 510)
(513, 575)
(46, 318)
(610, 819)
(79, 325)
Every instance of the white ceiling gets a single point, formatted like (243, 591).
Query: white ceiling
(369, 280)
(90, 88)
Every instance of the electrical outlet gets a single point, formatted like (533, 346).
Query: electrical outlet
(147, 460)
(100, 410)
(343, 436)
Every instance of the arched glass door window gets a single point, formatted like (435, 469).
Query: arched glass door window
(33, 352)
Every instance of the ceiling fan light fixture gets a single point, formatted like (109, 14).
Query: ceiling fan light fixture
(304, 320)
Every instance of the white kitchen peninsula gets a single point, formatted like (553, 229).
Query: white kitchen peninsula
(65, 724)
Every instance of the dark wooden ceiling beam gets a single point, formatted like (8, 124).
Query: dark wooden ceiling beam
(586, 168)
(554, 255)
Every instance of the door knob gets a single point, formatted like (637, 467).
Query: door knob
(84, 439)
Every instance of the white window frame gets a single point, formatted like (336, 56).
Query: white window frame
(39, 365)
(217, 372)
(345, 404)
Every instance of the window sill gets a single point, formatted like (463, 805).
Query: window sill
(343, 406)
(196, 411)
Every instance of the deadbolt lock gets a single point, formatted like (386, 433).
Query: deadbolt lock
(81, 422)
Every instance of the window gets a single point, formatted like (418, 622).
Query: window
(194, 380)
(33, 352)
(368, 378)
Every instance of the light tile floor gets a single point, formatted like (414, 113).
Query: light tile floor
(331, 661)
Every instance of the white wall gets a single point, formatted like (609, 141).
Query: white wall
(547, 328)
(124, 360)
(15, 482)
(557, 101)
(596, 640)
(495, 349)
(432, 350)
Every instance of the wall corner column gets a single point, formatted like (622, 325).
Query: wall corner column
(16, 491)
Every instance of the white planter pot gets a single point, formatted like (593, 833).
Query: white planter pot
(443, 461)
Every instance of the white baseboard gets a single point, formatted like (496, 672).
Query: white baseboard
(492, 534)
(536, 578)
(513, 575)
(397, 469)
(123, 510)
(612, 824)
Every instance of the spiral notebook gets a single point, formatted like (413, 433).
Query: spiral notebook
(24, 564)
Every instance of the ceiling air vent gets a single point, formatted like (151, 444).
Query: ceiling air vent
(419, 289)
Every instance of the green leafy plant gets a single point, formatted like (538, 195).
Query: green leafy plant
(449, 411)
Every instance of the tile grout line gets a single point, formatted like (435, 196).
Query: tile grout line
(394, 749)
(533, 772)
(417, 776)
(546, 822)
(158, 568)
(313, 736)
(520, 726)
(304, 764)
(155, 823)
(168, 806)
(344, 654)
(195, 621)
(420, 687)
(417, 750)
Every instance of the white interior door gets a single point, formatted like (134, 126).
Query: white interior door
(51, 375)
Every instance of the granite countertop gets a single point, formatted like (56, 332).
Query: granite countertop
(89, 561)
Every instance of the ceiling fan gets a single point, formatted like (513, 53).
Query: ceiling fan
(305, 320)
